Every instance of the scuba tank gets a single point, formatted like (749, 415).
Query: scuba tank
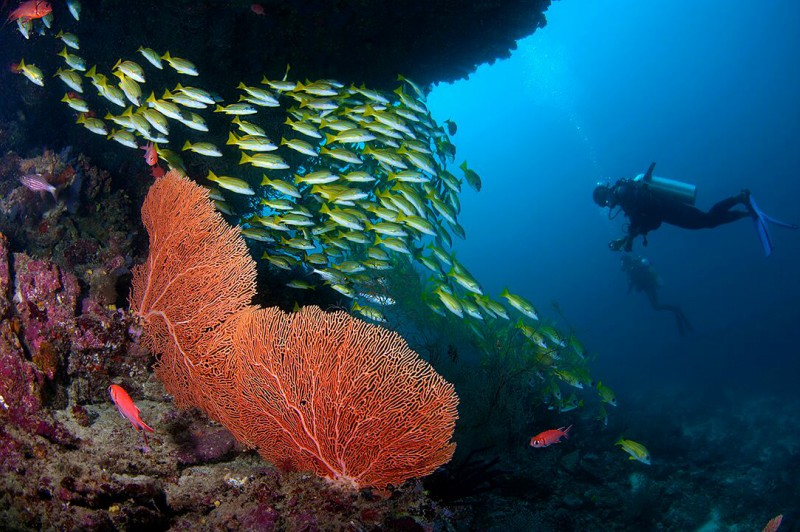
(670, 188)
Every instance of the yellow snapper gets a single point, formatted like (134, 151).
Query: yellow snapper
(78, 104)
(606, 394)
(419, 160)
(73, 60)
(230, 183)
(199, 95)
(520, 304)
(417, 90)
(32, 72)
(299, 284)
(569, 377)
(281, 186)
(270, 161)
(471, 309)
(251, 142)
(350, 136)
(368, 312)
(257, 233)
(25, 27)
(172, 159)
(320, 177)
(152, 57)
(111, 93)
(259, 96)
(95, 125)
(184, 100)
(125, 138)
(236, 109)
(300, 146)
(131, 89)
(495, 307)
(182, 66)
(74, 7)
(131, 69)
(203, 148)
(342, 218)
(249, 128)
(71, 78)
(471, 176)
(164, 107)
(449, 301)
(193, 121)
(303, 127)
(388, 157)
(466, 280)
(408, 176)
(532, 334)
(279, 85)
(137, 122)
(156, 119)
(637, 451)
(341, 154)
(69, 39)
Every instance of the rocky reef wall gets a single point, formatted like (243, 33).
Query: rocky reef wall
(358, 41)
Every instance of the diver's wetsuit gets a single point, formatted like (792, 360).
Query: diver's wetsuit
(647, 210)
(643, 278)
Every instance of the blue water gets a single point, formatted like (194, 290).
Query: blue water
(708, 90)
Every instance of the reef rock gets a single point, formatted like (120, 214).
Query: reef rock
(354, 41)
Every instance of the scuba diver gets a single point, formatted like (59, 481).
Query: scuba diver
(648, 201)
(643, 278)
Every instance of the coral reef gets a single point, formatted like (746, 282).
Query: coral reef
(68, 461)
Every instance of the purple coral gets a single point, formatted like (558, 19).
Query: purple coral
(20, 381)
(46, 297)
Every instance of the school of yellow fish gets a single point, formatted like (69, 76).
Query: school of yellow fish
(351, 181)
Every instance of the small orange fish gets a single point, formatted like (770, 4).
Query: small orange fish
(549, 437)
(30, 10)
(150, 153)
(128, 409)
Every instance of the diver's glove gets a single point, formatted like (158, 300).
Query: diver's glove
(629, 244)
(616, 245)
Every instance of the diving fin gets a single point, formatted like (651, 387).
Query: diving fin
(649, 174)
(760, 221)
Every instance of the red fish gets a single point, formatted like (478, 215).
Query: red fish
(30, 10)
(150, 153)
(549, 437)
(773, 524)
(157, 172)
(128, 409)
(258, 9)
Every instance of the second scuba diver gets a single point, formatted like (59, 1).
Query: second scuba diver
(642, 277)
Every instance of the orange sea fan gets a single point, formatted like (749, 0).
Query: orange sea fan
(346, 399)
(316, 391)
(198, 274)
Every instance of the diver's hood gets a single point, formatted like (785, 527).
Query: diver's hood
(601, 194)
